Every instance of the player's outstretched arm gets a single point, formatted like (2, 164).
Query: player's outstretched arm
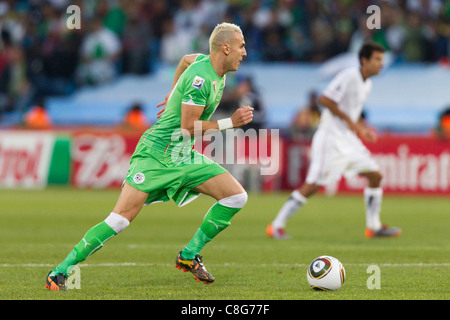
(190, 119)
(365, 132)
(334, 108)
(242, 116)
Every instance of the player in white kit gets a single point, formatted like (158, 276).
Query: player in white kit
(337, 148)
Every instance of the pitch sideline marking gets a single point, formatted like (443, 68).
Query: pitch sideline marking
(134, 264)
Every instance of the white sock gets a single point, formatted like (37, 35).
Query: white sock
(235, 201)
(117, 222)
(372, 200)
(295, 201)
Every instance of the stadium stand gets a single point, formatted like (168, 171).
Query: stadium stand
(142, 40)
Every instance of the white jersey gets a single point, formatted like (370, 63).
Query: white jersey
(349, 90)
(335, 148)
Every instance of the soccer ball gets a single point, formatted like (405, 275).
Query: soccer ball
(325, 273)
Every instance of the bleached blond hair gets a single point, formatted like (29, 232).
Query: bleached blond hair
(221, 34)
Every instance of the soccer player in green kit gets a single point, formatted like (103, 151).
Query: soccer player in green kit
(164, 166)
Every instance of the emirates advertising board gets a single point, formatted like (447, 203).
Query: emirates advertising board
(409, 165)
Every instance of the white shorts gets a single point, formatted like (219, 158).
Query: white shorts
(333, 154)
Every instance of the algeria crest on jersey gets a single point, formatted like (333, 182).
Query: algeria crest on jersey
(139, 178)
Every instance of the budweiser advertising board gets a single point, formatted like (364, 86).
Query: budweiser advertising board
(101, 160)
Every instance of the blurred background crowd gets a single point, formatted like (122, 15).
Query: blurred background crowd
(40, 56)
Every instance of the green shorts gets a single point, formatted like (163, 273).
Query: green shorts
(155, 173)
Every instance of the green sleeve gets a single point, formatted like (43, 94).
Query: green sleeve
(196, 89)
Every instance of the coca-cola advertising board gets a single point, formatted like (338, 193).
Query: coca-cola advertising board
(25, 158)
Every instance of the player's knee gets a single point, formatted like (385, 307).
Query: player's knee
(375, 179)
(235, 201)
(117, 222)
(243, 197)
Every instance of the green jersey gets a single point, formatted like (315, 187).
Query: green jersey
(198, 85)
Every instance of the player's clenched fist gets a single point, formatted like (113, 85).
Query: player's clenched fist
(242, 116)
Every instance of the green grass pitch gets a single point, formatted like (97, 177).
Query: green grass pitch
(39, 227)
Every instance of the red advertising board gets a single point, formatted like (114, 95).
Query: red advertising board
(409, 165)
(101, 160)
(25, 158)
(415, 165)
(294, 164)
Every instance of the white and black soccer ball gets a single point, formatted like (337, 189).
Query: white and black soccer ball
(325, 273)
